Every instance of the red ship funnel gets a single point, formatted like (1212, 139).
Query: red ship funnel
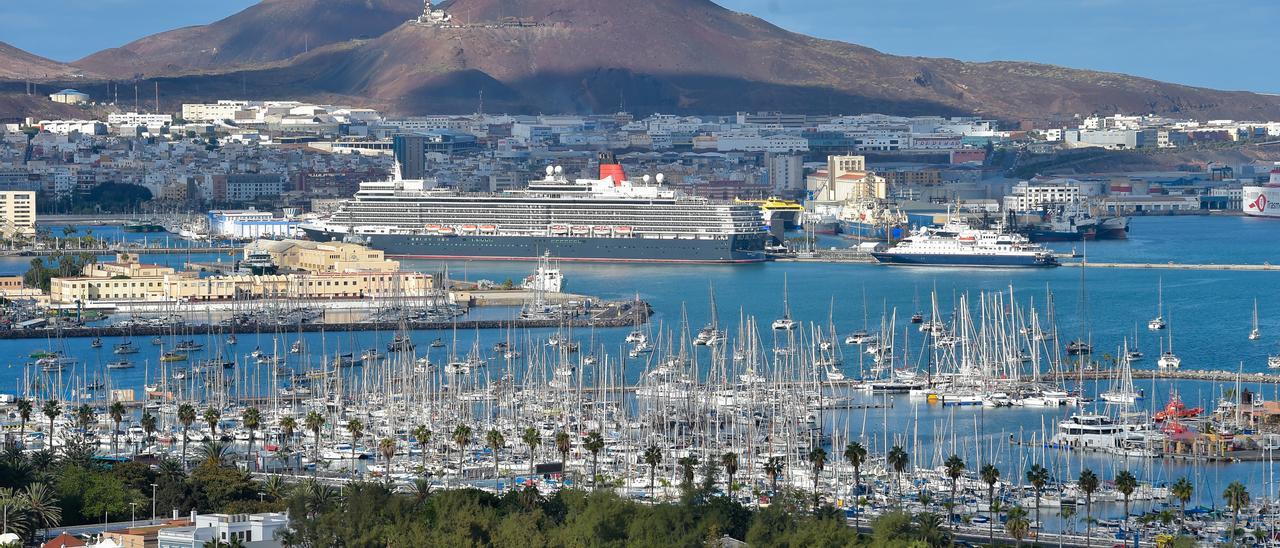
(609, 167)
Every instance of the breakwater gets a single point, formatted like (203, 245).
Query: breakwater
(625, 314)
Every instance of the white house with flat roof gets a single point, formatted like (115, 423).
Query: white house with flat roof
(252, 530)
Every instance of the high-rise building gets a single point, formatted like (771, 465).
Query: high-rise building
(786, 172)
(410, 151)
(17, 213)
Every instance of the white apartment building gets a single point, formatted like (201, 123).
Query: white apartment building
(1027, 196)
(212, 112)
(251, 530)
(67, 127)
(134, 119)
(731, 142)
(17, 213)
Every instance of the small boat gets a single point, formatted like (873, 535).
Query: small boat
(188, 346)
(97, 343)
(231, 339)
(1076, 348)
(296, 347)
(437, 343)
(157, 341)
(125, 348)
(1255, 333)
(173, 357)
(917, 318)
(120, 364)
(401, 343)
(372, 355)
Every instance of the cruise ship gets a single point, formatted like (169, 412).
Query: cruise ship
(1263, 200)
(610, 219)
(955, 244)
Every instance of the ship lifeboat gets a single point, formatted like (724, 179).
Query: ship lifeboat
(559, 229)
(967, 239)
(433, 228)
(468, 228)
(623, 230)
(580, 230)
(446, 231)
(600, 230)
(488, 228)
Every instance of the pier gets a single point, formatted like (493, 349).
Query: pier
(1177, 374)
(1178, 266)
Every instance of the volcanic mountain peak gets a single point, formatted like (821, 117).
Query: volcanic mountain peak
(592, 55)
(271, 30)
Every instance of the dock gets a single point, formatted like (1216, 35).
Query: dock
(1178, 266)
(1178, 374)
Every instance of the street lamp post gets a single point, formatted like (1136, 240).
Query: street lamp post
(153, 501)
(133, 514)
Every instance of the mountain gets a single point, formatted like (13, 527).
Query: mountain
(17, 64)
(270, 30)
(602, 55)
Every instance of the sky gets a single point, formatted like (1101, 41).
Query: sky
(1224, 44)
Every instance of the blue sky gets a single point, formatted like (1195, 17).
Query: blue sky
(1228, 44)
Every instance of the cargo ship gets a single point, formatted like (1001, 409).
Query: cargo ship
(873, 220)
(609, 219)
(956, 244)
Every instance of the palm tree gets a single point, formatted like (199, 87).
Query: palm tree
(314, 421)
(990, 475)
(729, 461)
(898, 459)
(461, 437)
(215, 452)
(211, 418)
(387, 448)
(356, 429)
(42, 505)
(422, 435)
(495, 440)
(51, 409)
(773, 467)
(251, 419)
(594, 443)
(116, 410)
(856, 454)
(288, 425)
(652, 457)
(533, 439)
(928, 528)
(1088, 483)
(85, 417)
(1038, 477)
(1016, 524)
(818, 458)
(1183, 489)
(1126, 483)
(687, 465)
(186, 416)
(1237, 499)
(148, 426)
(955, 469)
(564, 444)
(24, 413)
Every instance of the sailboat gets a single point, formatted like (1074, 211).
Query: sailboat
(1169, 360)
(1157, 323)
(1122, 390)
(1255, 334)
(785, 322)
(1135, 354)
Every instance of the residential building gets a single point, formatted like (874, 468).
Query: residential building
(251, 530)
(1027, 196)
(135, 119)
(67, 127)
(17, 213)
(785, 172)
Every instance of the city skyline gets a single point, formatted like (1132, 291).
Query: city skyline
(1174, 42)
